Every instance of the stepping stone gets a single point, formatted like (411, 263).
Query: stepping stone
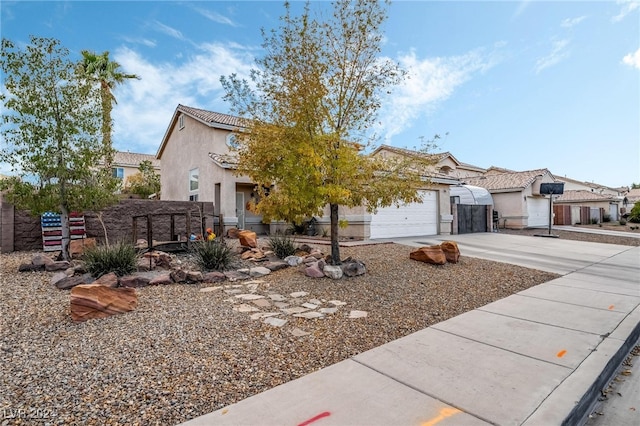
(299, 333)
(252, 288)
(328, 310)
(276, 322)
(277, 298)
(253, 282)
(298, 294)
(245, 308)
(233, 291)
(309, 315)
(357, 314)
(295, 310)
(281, 305)
(262, 303)
(315, 301)
(260, 315)
(337, 303)
(209, 289)
(249, 296)
(309, 305)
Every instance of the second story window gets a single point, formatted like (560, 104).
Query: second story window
(181, 122)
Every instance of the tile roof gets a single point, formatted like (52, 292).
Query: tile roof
(133, 159)
(404, 151)
(582, 195)
(226, 161)
(633, 195)
(211, 117)
(506, 180)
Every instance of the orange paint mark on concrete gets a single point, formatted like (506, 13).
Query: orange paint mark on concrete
(561, 353)
(444, 413)
(611, 307)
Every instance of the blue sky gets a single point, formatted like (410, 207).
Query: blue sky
(521, 85)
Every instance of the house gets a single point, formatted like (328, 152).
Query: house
(126, 164)
(579, 197)
(199, 164)
(516, 196)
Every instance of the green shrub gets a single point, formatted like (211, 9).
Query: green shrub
(634, 215)
(212, 255)
(120, 258)
(282, 245)
(606, 218)
(593, 221)
(623, 221)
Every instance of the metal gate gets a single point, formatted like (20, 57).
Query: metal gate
(471, 218)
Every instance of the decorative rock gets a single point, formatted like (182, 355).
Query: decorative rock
(451, 251)
(314, 271)
(328, 310)
(30, 267)
(316, 254)
(58, 276)
(337, 303)
(353, 268)
(262, 303)
(299, 333)
(249, 296)
(57, 266)
(277, 297)
(298, 294)
(248, 239)
(260, 315)
(295, 310)
(432, 254)
(134, 281)
(194, 276)
(41, 260)
(276, 322)
(245, 308)
(146, 264)
(233, 233)
(70, 282)
(333, 272)
(293, 260)
(162, 279)
(78, 247)
(213, 277)
(309, 315)
(236, 276)
(107, 280)
(210, 289)
(96, 301)
(259, 271)
(309, 305)
(306, 248)
(276, 265)
(357, 314)
(280, 305)
(178, 275)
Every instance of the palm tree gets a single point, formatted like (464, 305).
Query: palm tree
(100, 69)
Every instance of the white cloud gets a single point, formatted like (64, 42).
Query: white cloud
(171, 32)
(521, 8)
(215, 17)
(628, 6)
(430, 81)
(632, 59)
(145, 106)
(572, 22)
(140, 40)
(558, 53)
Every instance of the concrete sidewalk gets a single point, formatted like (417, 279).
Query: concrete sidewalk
(538, 357)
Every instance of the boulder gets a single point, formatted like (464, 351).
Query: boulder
(276, 265)
(96, 301)
(194, 276)
(248, 239)
(57, 266)
(317, 254)
(259, 271)
(233, 233)
(430, 254)
(451, 251)
(41, 260)
(58, 276)
(313, 270)
(30, 267)
(178, 275)
(353, 268)
(78, 247)
(306, 248)
(108, 280)
(134, 281)
(213, 277)
(76, 280)
(332, 271)
(162, 279)
(146, 264)
(293, 260)
(236, 276)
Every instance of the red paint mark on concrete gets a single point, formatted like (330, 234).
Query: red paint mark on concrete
(611, 307)
(315, 418)
(561, 353)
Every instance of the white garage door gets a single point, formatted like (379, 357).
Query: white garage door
(408, 220)
(538, 209)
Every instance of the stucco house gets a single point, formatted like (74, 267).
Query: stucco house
(580, 195)
(516, 196)
(126, 164)
(198, 164)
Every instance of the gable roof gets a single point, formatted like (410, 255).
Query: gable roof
(133, 159)
(404, 151)
(581, 195)
(212, 119)
(505, 181)
(589, 184)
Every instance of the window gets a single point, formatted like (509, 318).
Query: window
(118, 172)
(181, 122)
(193, 197)
(193, 180)
(232, 141)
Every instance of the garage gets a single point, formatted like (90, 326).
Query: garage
(538, 210)
(408, 220)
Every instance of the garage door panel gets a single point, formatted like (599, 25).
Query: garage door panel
(538, 210)
(408, 220)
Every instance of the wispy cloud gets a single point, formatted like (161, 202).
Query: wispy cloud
(215, 17)
(572, 22)
(558, 53)
(140, 40)
(145, 106)
(521, 8)
(430, 81)
(632, 59)
(171, 32)
(627, 6)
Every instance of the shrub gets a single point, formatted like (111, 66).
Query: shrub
(623, 221)
(120, 258)
(593, 221)
(212, 255)
(282, 245)
(606, 218)
(634, 215)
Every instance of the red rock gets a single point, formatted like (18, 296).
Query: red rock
(178, 275)
(451, 251)
(71, 282)
(314, 271)
(107, 280)
(248, 239)
(134, 281)
(41, 260)
(30, 267)
(233, 233)
(96, 301)
(194, 276)
(57, 266)
(213, 277)
(78, 247)
(432, 254)
(162, 279)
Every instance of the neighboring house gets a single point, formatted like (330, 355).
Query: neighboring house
(516, 196)
(125, 164)
(632, 197)
(581, 206)
(198, 164)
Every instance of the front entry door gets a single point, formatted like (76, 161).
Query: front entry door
(240, 209)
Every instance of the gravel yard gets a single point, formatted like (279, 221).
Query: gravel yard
(184, 353)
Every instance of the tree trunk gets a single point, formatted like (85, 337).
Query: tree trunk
(104, 228)
(66, 233)
(335, 246)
